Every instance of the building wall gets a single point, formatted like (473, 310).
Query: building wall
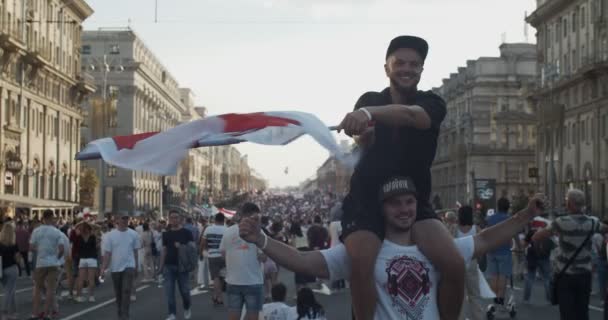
(41, 117)
(146, 98)
(489, 130)
(572, 38)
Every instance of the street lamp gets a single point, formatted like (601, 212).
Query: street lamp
(106, 69)
(551, 72)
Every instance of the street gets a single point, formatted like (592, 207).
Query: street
(151, 303)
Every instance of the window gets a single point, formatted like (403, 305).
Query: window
(574, 25)
(114, 49)
(574, 135)
(583, 130)
(111, 171)
(583, 17)
(86, 49)
(565, 27)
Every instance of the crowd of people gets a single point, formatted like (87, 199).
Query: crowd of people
(68, 259)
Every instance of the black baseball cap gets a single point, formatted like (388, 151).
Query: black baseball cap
(412, 42)
(397, 186)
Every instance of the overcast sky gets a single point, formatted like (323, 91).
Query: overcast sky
(316, 56)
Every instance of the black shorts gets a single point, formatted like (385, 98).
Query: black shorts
(215, 266)
(359, 215)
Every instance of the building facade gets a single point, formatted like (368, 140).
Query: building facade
(490, 128)
(41, 89)
(572, 98)
(333, 175)
(136, 94)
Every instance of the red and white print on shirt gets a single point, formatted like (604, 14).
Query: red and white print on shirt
(408, 286)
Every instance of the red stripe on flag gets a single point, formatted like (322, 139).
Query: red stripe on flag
(253, 121)
(129, 142)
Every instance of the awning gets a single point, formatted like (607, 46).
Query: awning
(33, 203)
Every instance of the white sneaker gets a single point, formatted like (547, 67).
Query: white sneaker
(187, 314)
(91, 299)
(80, 299)
(171, 317)
(133, 298)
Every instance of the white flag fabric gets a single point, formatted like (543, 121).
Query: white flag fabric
(161, 152)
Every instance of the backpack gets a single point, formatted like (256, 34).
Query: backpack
(542, 249)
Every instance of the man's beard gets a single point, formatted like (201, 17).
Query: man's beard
(404, 91)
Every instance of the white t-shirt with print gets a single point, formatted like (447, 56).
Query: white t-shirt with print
(276, 311)
(405, 279)
(120, 245)
(242, 265)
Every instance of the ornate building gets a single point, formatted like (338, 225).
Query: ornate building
(41, 89)
(490, 128)
(572, 98)
(137, 94)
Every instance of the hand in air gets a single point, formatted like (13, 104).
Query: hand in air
(354, 123)
(537, 204)
(250, 230)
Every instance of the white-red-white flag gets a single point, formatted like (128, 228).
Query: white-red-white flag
(161, 152)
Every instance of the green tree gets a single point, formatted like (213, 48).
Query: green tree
(88, 183)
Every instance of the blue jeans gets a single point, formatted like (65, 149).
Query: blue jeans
(500, 265)
(251, 296)
(544, 267)
(601, 266)
(183, 281)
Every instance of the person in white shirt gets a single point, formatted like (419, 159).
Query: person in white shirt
(244, 277)
(277, 309)
(405, 279)
(210, 242)
(47, 243)
(120, 253)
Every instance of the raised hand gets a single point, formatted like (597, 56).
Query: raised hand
(537, 204)
(354, 123)
(250, 230)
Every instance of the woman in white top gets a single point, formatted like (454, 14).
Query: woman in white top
(466, 228)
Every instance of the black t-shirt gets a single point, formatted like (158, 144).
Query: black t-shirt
(403, 151)
(8, 255)
(170, 237)
(88, 248)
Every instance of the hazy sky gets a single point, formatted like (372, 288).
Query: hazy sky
(316, 56)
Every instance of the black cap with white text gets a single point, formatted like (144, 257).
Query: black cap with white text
(397, 186)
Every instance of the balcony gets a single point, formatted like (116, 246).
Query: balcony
(10, 40)
(84, 86)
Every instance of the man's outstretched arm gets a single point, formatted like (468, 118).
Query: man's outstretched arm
(308, 262)
(491, 238)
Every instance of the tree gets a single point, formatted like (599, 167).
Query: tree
(88, 183)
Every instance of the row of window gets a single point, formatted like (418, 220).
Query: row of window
(575, 132)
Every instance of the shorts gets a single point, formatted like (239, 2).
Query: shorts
(87, 263)
(499, 265)
(252, 296)
(46, 277)
(215, 266)
(359, 216)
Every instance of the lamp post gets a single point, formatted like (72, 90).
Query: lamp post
(101, 132)
(551, 72)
